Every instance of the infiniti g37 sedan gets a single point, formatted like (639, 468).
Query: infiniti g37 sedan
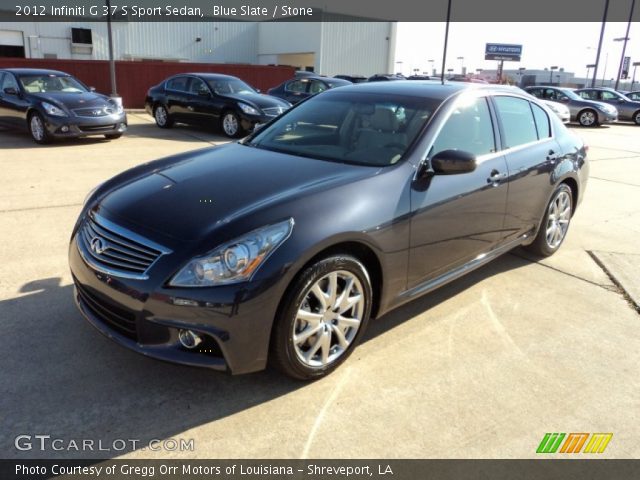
(52, 104)
(209, 98)
(280, 248)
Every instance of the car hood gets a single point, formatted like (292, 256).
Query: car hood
(74, 100)
(189, 198)
(258, 100)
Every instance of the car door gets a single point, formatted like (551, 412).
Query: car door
(200, 105)
(296, 90)
(625, 108)
(13, 106)
(532, 154)
(176, 92)
(457, 217)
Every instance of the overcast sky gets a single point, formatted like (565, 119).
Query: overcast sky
(568, 45)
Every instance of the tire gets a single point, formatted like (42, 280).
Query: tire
(37, 129)
(230, 125)
(298, 345)
(113, 136)
(555, 222)
(636, 117)
(162, 117)
(588, 118)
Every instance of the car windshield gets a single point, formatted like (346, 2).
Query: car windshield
(51, 83)
(363, 129)
(227, 86)
(571, 94)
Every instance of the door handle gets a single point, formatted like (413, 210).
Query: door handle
(496, 176)
(551, 156)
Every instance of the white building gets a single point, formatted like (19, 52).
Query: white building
(328, 48)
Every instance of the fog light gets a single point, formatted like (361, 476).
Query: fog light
(64, 129)
(189, 339)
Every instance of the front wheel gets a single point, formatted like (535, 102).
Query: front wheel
(555, 223)
(588, 118)
(38, 130)
(322, 318)
(230, 124)
(636, 117)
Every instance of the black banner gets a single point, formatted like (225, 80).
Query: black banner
(314, 11)
(582, 469)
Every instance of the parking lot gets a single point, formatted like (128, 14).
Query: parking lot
(482, 368)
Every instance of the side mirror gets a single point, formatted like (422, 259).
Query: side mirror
(450, 162)
(10, 91)
(92, 89)
(621, 100)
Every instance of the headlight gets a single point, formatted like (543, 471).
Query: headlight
(553, 107)
(248, 109)
(118, 107)
(235, 261)
(53, 110)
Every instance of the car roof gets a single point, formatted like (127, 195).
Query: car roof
(33, 71)
(211, 76)
(425, 88)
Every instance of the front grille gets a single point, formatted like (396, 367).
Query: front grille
(122, 320)
(273, 111)
(93, 112)
(114, 250)
(96, 128)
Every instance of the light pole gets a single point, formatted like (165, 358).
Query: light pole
(446, 41)
(433, 68)
(520, 73)
(589, 67)
(633, 79)
(604, 72)
(624, 45)
(551, 69)
(461, 65)
(112, 62)
(604, 23)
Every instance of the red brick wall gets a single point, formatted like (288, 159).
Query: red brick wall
(135, 78)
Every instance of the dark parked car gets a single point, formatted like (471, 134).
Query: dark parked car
(587, 113)
(419, 77)
(283, 245)
(384, 77)
(627, 109)
(211, 99)
(298, 89)
(352, 78)
(52, 104)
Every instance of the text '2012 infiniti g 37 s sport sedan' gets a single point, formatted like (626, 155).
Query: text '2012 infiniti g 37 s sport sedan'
(280, 248)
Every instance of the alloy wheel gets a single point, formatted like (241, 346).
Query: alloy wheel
(161, 116)
(37, 128)
(328, 318)
(587, 118)
(558, 219)
(230, 124)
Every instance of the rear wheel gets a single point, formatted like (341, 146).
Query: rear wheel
(162, 117)
(555, 222)
(636, 117)
(38, 130)
(322, 318)
(588, 118)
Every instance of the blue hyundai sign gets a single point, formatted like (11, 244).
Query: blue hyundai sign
(503, 51)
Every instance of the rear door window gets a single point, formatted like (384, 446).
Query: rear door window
(297, 86)
(542, 121)
(518, 124)
(197, 87)
(178, 84)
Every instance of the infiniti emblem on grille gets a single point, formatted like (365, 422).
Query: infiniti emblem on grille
(97, 112)
(97, 245)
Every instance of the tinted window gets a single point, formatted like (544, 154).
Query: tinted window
(517, 121)
(178, 83)
(536, 92)
(634, 96)
(609, 96)
(362, 129)
(198, 86)
(589, 94)
(317, 87)
(9, 81)
(469, 128)
(549, 94)
(297, 86)
(542, 121)
(81, 35)
(51, 83)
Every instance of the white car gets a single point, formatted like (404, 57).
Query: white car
(561, 110)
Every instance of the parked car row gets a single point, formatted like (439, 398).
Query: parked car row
(591, 106)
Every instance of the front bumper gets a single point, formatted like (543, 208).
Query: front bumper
(247, 122)
(74, 126)
(235, 321)
(607, 117)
